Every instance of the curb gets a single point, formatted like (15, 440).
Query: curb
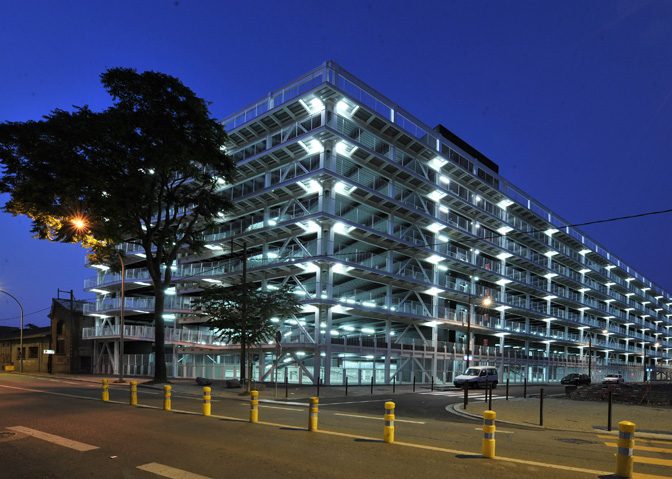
(458, 410)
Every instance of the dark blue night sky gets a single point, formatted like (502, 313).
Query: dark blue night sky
(573, 99)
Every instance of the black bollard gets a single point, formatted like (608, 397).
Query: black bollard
(507, 388)
(466, 395)
(487, 387)
(525, 388)
(318, 387)
(490, 400)
(346, 385)
(371, 385)
(432, 389)
(394, 384)
(541, 407)
(609, 413)
(414, 383)
(286, 386)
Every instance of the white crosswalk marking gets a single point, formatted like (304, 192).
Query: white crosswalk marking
(171, 472)
(52, 438)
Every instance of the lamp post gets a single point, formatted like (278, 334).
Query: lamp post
(20, 332)
(121, 321)
(487, 301)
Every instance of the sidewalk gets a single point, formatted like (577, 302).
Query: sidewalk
(569, 415)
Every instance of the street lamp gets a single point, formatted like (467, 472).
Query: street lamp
(486, 301)
(80, 224)
(20, 332)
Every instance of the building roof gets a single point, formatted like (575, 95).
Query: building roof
(31, 331)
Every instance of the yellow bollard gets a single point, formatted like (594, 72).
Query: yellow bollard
(134, 393)
(106, 389)
(388, 434)
(626, 446)
(312, 413)
(489, 434)
(206, 400)
(254, 406)
(167, 403)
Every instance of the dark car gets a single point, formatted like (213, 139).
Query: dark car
(575, 379)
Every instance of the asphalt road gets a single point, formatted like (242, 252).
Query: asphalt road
(129, 441)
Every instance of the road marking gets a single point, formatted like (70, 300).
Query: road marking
(61, 441)
(352, 402)
(643, 448)
(378, 418)
(167, 471)
(499, 431)
(652, 460)
(290, 403)
(52, 393)
(639, 439)
(276, 407)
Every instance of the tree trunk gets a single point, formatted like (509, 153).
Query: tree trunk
(160, 373)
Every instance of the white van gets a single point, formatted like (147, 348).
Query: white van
(477, 376)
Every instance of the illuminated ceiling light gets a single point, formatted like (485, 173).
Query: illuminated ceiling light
(550, 254)
(369, 304)
(505, 203)
(609, 301)
(629, 294)
(443, 209)
(551, 231)
(584, 271)
(309, 267)
(646, 289)
(584, 252)
(309, 226)
(445, 239)
(98, 315)
(342, 228)
(368, 331)
(170, 291)
(343, 188)
(503, 282)
(313, 105)
(609, 284)
(141, 283)
(101, 267)
(434, 291)
(275, 320)
(169, 316)
(442, 267)
(583, 290)
(477, 199)
(340, 309)
(550, 275)
(627, 280)
(345, 108)
(345, 149)
(429, 324)
(504, 230)
(629, 309)
(436, 195)
(213, 247)
(312, 146)
(99, 291)
(436, 163)
(504, 256)
(141, 255)
(347, 328)
(434, 259)
(334, 332)
(585, 308)
(644, 303)
(444, 179)
(435, 227)
(658, 297)
(341, 268)
(310, 186)
(502, 308)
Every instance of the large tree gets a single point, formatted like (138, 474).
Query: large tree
(144, 171)
(242, 314)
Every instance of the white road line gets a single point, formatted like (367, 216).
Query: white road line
(378, 418)
(276, 407)
(352, 402)
(167, 471)
(61, 441)
(289, 403)
(499, 431)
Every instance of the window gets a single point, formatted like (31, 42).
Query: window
(32, 352)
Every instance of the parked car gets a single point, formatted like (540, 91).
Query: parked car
(477, 376)
(576, 379)
(613, 379)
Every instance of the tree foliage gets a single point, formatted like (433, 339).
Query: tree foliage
(144, 171)
(241, 314)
